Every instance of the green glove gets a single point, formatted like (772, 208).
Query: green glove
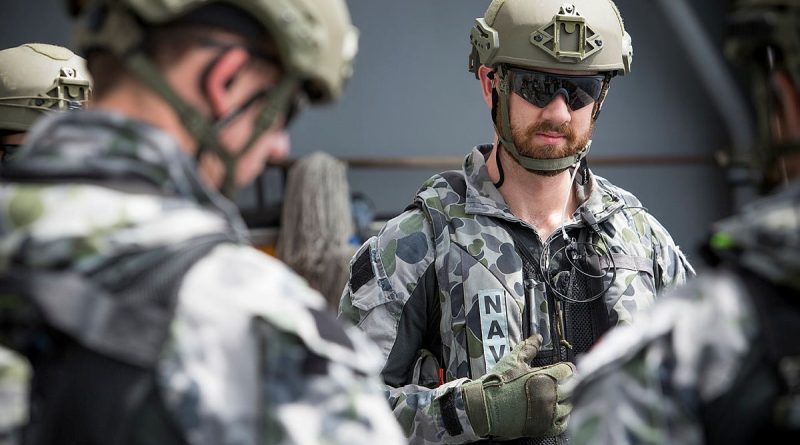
(515, 400)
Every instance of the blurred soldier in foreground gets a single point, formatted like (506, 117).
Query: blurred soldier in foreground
(35, 79)
(718, 362)
(482, 293)
(126, 278)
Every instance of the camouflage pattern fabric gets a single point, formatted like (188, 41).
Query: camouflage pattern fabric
(431, 271)
(249, 359)
(15, 377)
(648, 383)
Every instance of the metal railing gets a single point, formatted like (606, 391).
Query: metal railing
(430, 162)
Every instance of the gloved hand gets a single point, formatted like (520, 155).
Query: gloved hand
(515, 400)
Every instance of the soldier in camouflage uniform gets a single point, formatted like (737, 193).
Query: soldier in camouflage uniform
(126, 277)
(35, 79)
(482, 293)
(718, 362)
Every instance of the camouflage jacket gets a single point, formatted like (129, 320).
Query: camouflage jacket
(685, 369)
(251, 355)
(14, 385)
(442, 286)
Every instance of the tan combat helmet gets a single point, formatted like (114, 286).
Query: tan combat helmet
(315, 40)
(576, 35)
(35, 79)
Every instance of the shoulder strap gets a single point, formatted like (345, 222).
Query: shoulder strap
(439, 221)
(436, 311)
(454, 178)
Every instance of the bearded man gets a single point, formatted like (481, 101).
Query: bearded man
(482, 293)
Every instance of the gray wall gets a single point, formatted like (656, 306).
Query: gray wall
(412, 96)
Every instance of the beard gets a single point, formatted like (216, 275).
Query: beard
(573, 143)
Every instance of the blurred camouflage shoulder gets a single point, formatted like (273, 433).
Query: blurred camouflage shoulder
(15, 375)
(765, 237)
(252, 352)
(255, 312)
(644, 382)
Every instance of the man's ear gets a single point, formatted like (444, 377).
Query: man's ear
(486, 83)
(220, 79)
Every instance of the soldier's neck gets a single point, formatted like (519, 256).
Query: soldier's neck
(538, 200)
(140, 103)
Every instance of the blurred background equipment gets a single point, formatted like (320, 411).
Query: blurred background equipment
(317, 224)
(35, 79)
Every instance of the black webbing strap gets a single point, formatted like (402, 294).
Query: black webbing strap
(449, 414)
(361, 271)
(586, 317)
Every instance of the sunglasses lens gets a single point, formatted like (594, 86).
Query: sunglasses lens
(580, 97)
(541, 88)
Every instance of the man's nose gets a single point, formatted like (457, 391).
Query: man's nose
(557, 111)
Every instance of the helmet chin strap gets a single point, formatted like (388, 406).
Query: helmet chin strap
(276, 102)
(206, 131)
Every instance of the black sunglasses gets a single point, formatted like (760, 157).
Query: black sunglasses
(295, 104)
(541, 88)
(293, 108)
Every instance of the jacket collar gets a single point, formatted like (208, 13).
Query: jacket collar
(483, 198)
